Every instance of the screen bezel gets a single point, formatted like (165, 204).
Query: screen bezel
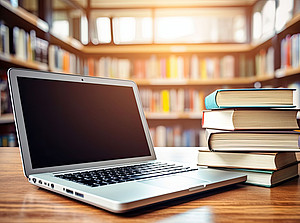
(14, 73)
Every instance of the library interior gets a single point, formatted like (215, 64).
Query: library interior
(178, 53)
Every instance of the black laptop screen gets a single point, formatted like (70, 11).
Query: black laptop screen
(70, 123)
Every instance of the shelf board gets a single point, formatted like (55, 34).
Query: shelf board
(280, 73)
(27, 64)
(167, 48)
(173, 115)
(134, 4)
(27, 16)
(184, 82)
(6, 118)
(68, 41)
(291, 22)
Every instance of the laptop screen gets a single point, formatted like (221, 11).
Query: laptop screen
(71, 123)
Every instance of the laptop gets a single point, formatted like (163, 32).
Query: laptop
(87, 138)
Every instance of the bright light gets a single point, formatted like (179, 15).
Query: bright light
(147, 28)
(283, 13)
(61, 28)
(103, 29)
(125, 29)
(257, 25)
(84, 30)
(172, 28)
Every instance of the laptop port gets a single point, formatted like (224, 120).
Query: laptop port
(52, 186)
(34, 180)
(79, 194)
(40, 182)
(69, 191)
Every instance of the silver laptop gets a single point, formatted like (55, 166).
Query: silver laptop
(87, 138)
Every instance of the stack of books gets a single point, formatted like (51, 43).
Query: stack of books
(253, 131)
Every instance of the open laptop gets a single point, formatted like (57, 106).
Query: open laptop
(87, 138)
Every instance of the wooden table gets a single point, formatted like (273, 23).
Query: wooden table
(23, 202)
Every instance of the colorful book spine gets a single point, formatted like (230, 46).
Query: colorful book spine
(290, 51)
(171, 136)
(61, 60)
(171, 67)
(172, 100)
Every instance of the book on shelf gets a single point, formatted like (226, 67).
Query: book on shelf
(4, 38)
(290, 51)
(264, 62)
(250, 97)
(172, 100)
(61, 60)
(26, 46)
(246, 160)
(5, 101)
(8, 140)
(267, 178)
(163, 136)
(167, 67)
(253, 141)
(247, 118)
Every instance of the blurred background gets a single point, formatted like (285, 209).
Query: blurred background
(176, 51)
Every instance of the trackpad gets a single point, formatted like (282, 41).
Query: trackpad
(176, 183)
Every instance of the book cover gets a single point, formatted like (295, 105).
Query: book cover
(267, 178)
(165, 94)
(253, 141)
(246, 160)
(211, 99)
(250, 118)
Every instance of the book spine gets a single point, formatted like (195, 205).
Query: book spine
(210, 101)
(208, 135)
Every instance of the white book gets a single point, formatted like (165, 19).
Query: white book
(51, 57)
(170, 137)
(152, 67)
(194, 67)
(107, 66)
(180, 100)
(161, 135)
(124, 68)
(196, 101)
(180, 67)
(270, 62)
(227, 66)
(173, 101)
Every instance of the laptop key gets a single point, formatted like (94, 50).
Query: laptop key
(96, 178)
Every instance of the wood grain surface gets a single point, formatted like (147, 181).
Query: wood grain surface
(22, 202)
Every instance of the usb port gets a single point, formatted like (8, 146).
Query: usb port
(69, 191)
(79, 194)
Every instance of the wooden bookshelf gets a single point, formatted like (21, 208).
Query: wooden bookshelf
(68, 43)
(281, 73)
(133, 51)
(6, 118)
(199, 82)
(22, 63)
(173, 115)
(168, 48)
(293, 21)
(26, 16)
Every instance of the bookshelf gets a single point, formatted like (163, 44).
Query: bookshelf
(88, 56)
(168, 48)
(6, 118)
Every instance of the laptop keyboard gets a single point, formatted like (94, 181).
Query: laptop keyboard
(96, 178)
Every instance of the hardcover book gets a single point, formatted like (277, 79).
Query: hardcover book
(267, 178)
(243, 118)
(262, 161)
(253, 141)
(251, 97)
